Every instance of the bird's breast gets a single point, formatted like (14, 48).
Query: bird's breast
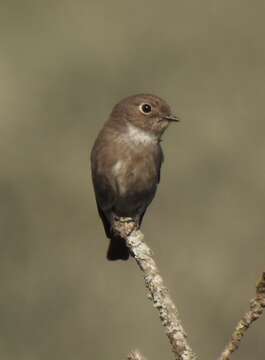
(135, 172)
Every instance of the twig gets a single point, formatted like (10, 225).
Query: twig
(158, 292)
(135, 355)
(257, 306)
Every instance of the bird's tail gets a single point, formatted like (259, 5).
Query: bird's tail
(117, 249)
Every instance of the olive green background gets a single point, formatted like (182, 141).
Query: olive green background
(63, 65)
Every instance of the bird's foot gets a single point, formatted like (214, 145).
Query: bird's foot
(126, 220)
(124, 225)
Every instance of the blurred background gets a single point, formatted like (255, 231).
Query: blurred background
(63, 65)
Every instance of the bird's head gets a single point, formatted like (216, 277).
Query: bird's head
(146, 112)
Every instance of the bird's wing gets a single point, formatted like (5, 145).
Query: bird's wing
(104, 191)
(159, 159)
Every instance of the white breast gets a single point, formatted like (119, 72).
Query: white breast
(139, 136)
(117, 168)
(134, 138)
(119, 171)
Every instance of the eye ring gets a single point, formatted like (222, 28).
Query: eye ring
(145, 108)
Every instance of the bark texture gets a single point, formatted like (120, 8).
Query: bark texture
(158, 292)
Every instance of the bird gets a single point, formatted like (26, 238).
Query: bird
(126, 160)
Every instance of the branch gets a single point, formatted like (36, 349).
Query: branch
(257, 306)
(168, 313)
(135, 355)
(159, 294)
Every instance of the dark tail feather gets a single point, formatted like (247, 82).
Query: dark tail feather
(117, 249)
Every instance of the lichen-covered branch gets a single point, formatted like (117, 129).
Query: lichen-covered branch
(135, 355)
(257, 306)
(158, 292)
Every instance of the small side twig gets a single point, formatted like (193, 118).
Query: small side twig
(157, 290)
(257, 306)
(135, 355)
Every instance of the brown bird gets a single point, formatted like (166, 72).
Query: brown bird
(125, 162)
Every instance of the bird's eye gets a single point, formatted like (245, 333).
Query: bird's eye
(146, 108)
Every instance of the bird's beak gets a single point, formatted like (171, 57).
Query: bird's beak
(172, 118)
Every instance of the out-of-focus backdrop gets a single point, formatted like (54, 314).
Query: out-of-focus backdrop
(63, 65)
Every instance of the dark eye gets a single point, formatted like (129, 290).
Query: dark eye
(145, 108)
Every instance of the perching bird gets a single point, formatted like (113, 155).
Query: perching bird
(125, 162)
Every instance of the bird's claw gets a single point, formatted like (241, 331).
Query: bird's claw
(126, 220)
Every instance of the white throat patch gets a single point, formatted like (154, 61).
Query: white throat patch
(139, 136)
